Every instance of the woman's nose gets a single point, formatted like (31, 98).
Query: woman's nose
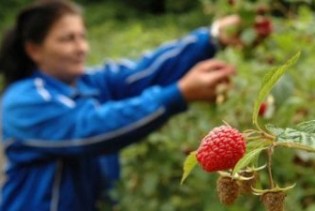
(82, 45)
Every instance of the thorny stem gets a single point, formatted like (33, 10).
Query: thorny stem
(269, 153)
(255, 134)
(259, 135)
(250, 131)
(268, 136)
(263, 132)
(258, 127)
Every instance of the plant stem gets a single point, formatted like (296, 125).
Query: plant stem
(269, 152)
(263, 132)
(268, 136)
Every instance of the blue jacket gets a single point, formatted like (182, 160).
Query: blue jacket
(61, 141)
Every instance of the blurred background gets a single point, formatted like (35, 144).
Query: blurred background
(152, 169)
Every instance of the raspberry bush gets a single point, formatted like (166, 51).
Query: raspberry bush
(152, 169)
(223, 151)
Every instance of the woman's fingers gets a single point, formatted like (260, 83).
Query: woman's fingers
(200, 83)
(231, 20)
(220, 75)
(211, 65)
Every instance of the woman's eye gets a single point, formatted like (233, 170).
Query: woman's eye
(71, 37)
(66, 38)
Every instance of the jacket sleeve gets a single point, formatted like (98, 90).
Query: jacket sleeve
(163, 66)
(44, 129)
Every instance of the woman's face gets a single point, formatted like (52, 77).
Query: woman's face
(63, 52)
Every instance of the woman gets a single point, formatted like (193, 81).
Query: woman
(62, 126)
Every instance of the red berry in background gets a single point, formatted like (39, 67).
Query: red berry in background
(231, 2)
(267, 108)
(262, 109)
(221, 149)
(263, 26)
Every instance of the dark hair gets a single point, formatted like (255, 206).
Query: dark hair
(31, 25)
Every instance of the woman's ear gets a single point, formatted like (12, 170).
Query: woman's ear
(33, 50)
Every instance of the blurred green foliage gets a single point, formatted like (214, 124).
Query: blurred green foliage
(152, 169)
(8, 10)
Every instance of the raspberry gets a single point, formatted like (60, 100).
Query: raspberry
(267, 108)
(263, 27)
(274, 201)
(221, 149)
(262, 109)
(228, 190)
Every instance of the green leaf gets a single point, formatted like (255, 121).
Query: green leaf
(297, 139)
(247, 159)
(302, 137)
(274, 130)
(308, 126)
(247, 16)
(189, 163)
(283, 90)
(248, 36)
(268, 82)
(255, 144)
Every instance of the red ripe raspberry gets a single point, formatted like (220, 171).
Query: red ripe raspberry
(263, 26)
(221, 149)
(262, 109)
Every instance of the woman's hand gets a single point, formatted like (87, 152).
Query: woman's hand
(200, 83)
(226, 30)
